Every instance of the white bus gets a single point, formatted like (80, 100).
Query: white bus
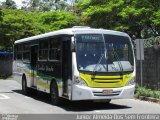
(79, 63)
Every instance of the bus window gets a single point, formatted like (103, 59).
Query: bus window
(43, 50)
(19, 51)
(55, 49)
(19, 56)
(26, 52)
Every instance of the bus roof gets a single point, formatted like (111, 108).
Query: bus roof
(72, 31)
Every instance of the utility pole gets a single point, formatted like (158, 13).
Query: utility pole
(140, 56)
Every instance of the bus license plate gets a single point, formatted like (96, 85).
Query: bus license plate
(107, 91)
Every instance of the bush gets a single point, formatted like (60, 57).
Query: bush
(143, 91)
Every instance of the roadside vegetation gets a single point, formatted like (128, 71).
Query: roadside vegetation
(145, 92)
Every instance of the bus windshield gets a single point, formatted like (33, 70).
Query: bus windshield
(104, 53)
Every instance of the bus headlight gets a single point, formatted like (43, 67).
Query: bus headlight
(79, 81)
(131, 81)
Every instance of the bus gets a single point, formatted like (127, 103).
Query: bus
(78, 63)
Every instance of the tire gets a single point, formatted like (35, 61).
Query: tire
(55, 99)
(108, 101)
(25, 89)
(103, 101)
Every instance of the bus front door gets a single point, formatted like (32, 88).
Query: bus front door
(34, 52)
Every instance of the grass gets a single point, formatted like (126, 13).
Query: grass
(143, 91)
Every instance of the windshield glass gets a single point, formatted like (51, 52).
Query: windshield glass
(103, 53)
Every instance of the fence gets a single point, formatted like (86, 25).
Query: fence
(6, 61)
(151, 64)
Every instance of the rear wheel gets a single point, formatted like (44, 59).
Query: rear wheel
(24, 86)
(55, 99)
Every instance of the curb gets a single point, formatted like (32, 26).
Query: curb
(151, 99)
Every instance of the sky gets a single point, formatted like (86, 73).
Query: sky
(18, 2)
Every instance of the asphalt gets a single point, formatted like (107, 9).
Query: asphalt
(13, 101)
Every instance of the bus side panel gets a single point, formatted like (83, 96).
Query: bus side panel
(47, 72)
(20, 68)
(17, 73)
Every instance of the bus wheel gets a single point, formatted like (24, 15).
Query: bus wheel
(24, 85)
(108, 101)
(54, 94)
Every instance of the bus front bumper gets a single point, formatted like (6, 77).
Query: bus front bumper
(87, 93)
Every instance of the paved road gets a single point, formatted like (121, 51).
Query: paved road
(13, 101)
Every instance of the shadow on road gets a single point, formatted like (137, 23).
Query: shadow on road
(78, 106)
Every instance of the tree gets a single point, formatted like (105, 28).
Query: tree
(18, 24)
(10, 4)
(1, 15)
(138, 18)
(43, 5)
(58, 20)
(34, 5)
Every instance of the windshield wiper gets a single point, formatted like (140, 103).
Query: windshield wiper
(117, 57)
(100, 59)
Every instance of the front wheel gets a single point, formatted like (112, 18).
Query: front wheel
(55, 99)
(108, 101)
(103, 101)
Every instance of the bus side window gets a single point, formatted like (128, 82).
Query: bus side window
(26, 52)
(55, 49)
(43, 50)
(19, 52)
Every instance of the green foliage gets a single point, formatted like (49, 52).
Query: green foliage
(131, 16)
(17, 24)
(143, 91)
(83, 4)
(1, 15)
(43, 5)
(9, 4)
(58, 20)
(156, 18)
(153, 41)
